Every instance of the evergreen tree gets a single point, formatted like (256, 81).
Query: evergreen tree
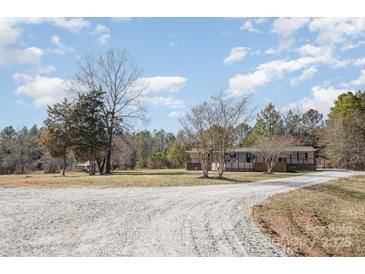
(57, 135)
(89, 134)
(268, 123)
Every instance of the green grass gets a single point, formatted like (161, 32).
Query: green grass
(321, 220)
(145, 178)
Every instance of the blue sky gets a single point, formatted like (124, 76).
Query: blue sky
(296, 63)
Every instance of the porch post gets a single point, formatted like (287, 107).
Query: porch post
(238, 160)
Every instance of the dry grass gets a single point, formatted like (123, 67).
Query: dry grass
(322, 220)
(146, 178)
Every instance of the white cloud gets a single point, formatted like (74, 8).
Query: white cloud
(237, 54)
(8, 34)
(361, 80)
(40, 69)
(337, 30)
(323, 55)
(243, 84)
(176, 114)
(350, 46)
(160, 83)
(261, 20)
(285, 28)
(61, 48)
(247, 25)
(71, 24)
(285, 44)
(157, 84)
(306, 75)
(43, 90)
(288, 26)
(322, 99)
(359, 61)
(266, 72)
(102, 34)
(31, 55)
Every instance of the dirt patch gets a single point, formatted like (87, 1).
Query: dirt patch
(321, 220)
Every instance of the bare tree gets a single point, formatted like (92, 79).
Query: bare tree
(196, 125)
(116, 75)
(225, 117)
(270, 149)
(345, 144)
(213, 126)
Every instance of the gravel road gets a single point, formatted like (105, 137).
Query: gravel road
(158, 221)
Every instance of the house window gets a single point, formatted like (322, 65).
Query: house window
(298, 156)
(291, 156)
(306, 156)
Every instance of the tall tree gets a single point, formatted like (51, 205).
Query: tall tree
(116, 74)
(8, 150)
(88, 127)
(293, 125)
(311, 122)
(57, 135)
(268, 123)
(344, 135)
(143, 147)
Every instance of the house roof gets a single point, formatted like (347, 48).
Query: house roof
(253, 149)
(288, 149)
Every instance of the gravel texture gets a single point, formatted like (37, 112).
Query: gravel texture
(154, 221)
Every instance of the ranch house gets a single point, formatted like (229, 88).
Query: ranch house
(247, 159)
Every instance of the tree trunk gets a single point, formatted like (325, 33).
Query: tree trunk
(221, 166)
(100, 163)
(109, 153)
(269, 166)
(92, 163)
(64, 164)
(204, 165)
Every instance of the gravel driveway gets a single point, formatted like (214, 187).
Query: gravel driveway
(161, 221)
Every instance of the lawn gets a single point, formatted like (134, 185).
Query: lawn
(145, 178)
(321, 220)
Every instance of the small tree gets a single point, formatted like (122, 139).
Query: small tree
(196, 125)
(57, 135)
(176, 155)
(270, 149)
(157, 159)
(226, 117)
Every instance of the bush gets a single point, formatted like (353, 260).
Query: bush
(157, 160)
(51, 167)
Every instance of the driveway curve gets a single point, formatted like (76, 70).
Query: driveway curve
(159, 221)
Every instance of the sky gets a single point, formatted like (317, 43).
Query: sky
(295, 63)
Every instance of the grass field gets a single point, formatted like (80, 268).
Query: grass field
(146, 178)
(321, 220)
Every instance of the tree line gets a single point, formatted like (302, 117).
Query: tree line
(23, 151)
(95, 123)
